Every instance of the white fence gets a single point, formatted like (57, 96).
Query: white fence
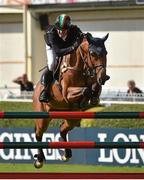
(118, 97)
(107, 96)
(14, 94)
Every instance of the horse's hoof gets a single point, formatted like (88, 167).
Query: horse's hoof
(65, 159)
(38, 164)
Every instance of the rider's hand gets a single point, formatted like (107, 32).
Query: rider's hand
(72, 48)
(82, 35)
(76, 44)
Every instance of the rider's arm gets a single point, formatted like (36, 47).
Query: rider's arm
(77, 33)
(57, 44)
(64, 51)
(77, 39)
(61, 51)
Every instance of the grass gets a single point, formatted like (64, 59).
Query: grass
(16, 106)
(68, 168)
(118, 123)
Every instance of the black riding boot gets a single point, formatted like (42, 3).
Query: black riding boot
(47, 79)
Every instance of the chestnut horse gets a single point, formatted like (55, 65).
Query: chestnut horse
(78, 72)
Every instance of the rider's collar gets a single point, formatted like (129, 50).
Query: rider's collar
(62, 34)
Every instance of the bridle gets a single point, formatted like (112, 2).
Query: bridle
(91, 70)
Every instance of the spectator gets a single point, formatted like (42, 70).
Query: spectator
(25, 84)
(132, 87)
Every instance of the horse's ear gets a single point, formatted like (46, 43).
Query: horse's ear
(105, 37)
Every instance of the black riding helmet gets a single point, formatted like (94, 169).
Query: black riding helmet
(62, 22)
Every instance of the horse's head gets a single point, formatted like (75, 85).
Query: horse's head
(98, 59)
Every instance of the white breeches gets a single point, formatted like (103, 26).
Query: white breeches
(50, 58)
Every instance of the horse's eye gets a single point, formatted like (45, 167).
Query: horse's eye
(98, 51)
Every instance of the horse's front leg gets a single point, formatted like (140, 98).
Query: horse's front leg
(41, 126)
(65, 127)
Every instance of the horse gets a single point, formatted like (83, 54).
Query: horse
(79, 71)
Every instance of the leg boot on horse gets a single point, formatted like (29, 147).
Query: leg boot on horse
(47, 79)
(65, 127)
(96, 91)
(39, 157)
(41, 126)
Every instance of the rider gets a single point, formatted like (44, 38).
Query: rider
(61, 39)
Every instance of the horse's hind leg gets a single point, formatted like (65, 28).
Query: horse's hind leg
(41, 126)
(65, 127)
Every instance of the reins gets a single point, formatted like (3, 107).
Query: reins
(90, 69)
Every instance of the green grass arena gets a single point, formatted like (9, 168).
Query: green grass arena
(68, 168)
(113, 123)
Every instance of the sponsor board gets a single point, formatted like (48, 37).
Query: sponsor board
(120, 157)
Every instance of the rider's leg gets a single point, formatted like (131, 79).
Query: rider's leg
(47, 79)
(48, 76)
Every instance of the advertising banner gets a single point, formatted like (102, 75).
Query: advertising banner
(119, 157)
(22, 2)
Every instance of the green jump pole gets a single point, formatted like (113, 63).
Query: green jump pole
(72, 115)
(72, 145)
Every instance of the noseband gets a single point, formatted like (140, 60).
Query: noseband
(91, 71)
